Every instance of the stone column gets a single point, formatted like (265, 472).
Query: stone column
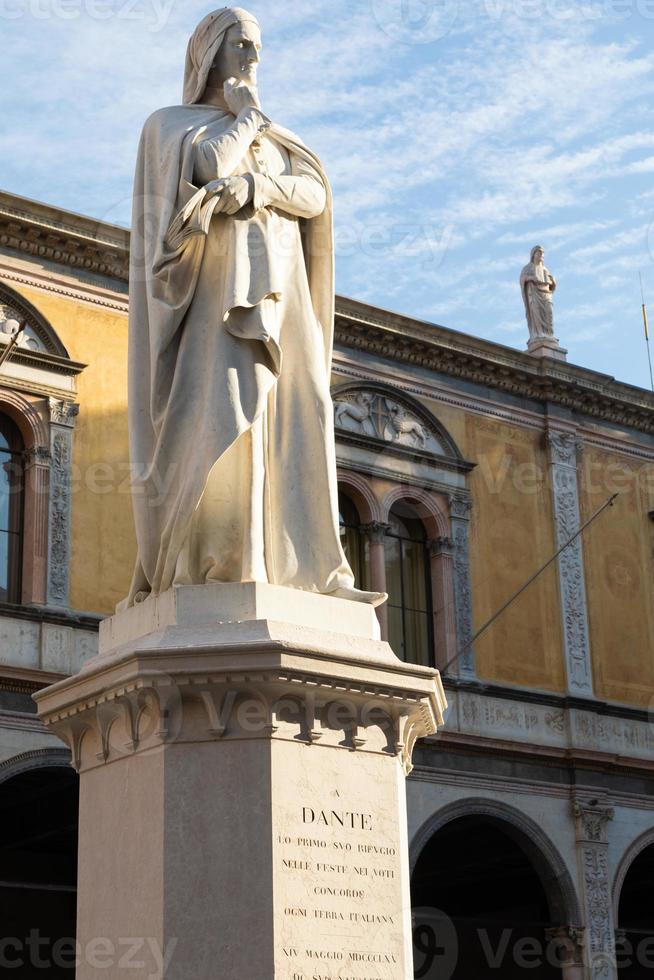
(62, 422)
(441, 556)
(592, 817)
(376, 531)
(35, 538)
(242, 752)
(564, 449)
(460, 508)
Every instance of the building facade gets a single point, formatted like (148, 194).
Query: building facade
(464, 466)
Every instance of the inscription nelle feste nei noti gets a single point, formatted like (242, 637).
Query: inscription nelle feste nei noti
(342, 895)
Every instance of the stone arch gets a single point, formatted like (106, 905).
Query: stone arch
(35, 431)
(415, 410)
(363, 497)
(50, 758)
(429, 507)
(548, 863)
(15, 306)
(32, 425)
(633, 851)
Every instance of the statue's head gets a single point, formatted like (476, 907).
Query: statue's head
(226, 44)
(537, 254)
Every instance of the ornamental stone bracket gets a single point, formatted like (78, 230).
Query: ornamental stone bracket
(564, 449)
(162, 709)
(592, 820)
(205, 674)
(460, 510)
(62, 421)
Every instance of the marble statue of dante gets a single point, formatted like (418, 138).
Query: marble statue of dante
(230, 338)
(538, 284)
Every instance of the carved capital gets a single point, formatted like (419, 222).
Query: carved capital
(63, 413)
(460, 507)
(565, 447)
(37, 456)
(376, 531)
(441, 546)
(569, 942)
(592, 819)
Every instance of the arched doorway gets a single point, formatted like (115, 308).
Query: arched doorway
(485, 904)
(635, 940)
(38, 872)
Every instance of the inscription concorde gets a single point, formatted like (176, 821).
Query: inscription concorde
(345, 923)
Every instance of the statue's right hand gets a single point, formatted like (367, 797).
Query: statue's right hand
(215, 188)
(240, 96)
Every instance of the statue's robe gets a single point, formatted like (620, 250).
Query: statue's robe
(539, 308)
(231, 330)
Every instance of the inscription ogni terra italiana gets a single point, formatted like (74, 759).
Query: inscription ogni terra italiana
(341, 881)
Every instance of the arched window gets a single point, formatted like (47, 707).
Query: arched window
(636, 916)
(11, 510)
(354, 541)
(408, 585)
(476, 881)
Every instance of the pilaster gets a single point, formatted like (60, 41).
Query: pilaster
(564, 448)
(592, 819)
(460, 509)
(62, 422)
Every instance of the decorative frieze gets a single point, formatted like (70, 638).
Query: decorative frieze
(39, 233)
(564, 449)
(544, 724)
(439, 351)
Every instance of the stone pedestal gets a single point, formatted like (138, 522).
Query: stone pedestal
(242, 752)
(547, 347)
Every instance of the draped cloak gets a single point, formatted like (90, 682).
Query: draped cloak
(539, 309)
(182, 424)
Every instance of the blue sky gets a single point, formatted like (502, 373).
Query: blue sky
(457, 134)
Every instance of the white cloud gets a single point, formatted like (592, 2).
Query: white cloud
(507, 131)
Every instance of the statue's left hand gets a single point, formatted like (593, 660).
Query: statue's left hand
(234, 193)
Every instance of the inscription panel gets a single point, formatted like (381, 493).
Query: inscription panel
(339, 875)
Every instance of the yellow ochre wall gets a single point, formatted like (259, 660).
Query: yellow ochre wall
(512, 535)
(619, 566)
(103, 543)
(512, 525)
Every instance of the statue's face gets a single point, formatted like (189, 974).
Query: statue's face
(239, 55)
(538, 255)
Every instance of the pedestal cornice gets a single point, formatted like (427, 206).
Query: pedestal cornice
(255, 678)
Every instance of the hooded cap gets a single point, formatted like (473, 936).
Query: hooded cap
(204, 46)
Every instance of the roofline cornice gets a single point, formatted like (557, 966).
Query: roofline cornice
(97, 247)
